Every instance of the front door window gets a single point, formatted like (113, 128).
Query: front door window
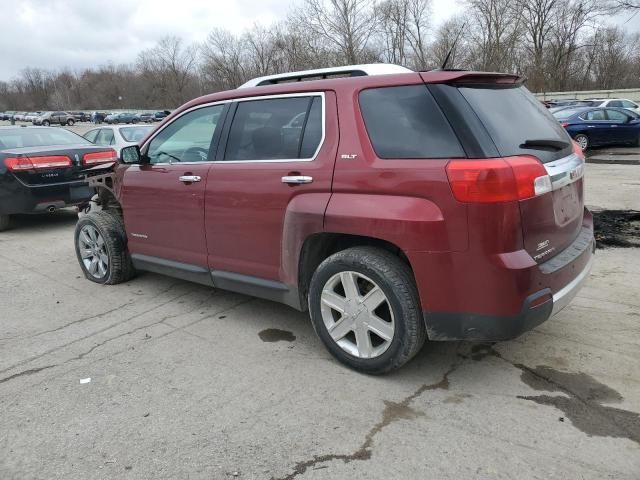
(188, 138)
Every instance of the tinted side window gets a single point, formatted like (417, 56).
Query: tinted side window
(615, 103)
(188, 138)
(628, 104)
(268, 129)
(617, 116)
(595, 115)
(406, 122)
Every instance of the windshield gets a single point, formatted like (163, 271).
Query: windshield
(38, 137)
(512, 116)
(135, 134)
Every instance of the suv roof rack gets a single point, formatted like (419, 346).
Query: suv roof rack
(325, 73)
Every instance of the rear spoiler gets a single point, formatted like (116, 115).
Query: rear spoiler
(473, 79)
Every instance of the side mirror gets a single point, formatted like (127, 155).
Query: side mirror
(132, 155)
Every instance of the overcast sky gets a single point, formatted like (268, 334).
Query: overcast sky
(86, 33)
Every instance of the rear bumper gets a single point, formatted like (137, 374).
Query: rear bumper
(492, 328)
(563, 297)
(539, 292)
(16, 197)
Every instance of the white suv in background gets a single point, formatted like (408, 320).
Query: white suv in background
(616, 102)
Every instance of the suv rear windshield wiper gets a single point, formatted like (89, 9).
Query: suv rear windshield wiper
(545, 144)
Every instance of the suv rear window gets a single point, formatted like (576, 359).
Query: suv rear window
(406, 122)
(512, 116)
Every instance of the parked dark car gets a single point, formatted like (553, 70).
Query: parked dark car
(445, 205)
(146, 117)
(81, 116)
(596, 126)
(41, 169)
(161, 115)
(55, 118)
(124, 117)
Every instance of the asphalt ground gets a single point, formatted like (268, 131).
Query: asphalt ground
(192, 382)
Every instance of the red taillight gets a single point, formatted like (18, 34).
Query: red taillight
(16, 164)
(100, 157)
(565, 125)
(577, 149)
(497, 179)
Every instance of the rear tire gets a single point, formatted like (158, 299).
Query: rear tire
(46, 123)
(384, 300)
(101, 248)
(5, 222)
(582, 140)
(70, 123)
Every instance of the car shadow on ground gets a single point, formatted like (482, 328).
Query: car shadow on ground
(31, 223)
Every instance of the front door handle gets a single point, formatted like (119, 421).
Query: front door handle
(189, 178)
(296, 179)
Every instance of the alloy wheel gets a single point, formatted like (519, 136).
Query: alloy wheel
(583, 141)
(93, 251)
(357, 314)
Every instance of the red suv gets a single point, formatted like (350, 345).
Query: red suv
(394, 206)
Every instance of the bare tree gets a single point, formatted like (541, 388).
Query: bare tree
(496, 28)
(403, 26)
(346, 24)
(224, 62)
(557, 44)
(538, 21)
(445, 42)
(170, 67)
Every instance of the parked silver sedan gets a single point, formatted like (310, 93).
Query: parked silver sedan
(118, 136)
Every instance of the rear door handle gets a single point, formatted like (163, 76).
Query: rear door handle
(296, 179)
(189, 178)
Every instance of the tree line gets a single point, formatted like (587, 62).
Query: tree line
(557, 44)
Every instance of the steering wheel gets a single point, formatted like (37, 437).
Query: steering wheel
(201, 154)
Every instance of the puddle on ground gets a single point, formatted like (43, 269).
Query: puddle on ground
(617, 228)
(276, 335)
(583, 402)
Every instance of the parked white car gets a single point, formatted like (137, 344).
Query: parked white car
(118, 136)
(615, 102)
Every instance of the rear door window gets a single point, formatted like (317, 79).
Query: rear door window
(275, 129)
(616, 116)
(512, 115)
(594, 115)
(406, 122)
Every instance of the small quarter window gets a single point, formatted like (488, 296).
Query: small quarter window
(406, 122)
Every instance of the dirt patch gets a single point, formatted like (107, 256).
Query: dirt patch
(617, 228)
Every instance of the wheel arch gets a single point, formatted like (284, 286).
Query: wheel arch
(319, 246)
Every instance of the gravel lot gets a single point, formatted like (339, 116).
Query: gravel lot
(190, 382)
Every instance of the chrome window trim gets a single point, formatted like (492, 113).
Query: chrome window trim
(247, 99)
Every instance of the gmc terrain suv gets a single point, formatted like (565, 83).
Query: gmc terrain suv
(394, 206)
